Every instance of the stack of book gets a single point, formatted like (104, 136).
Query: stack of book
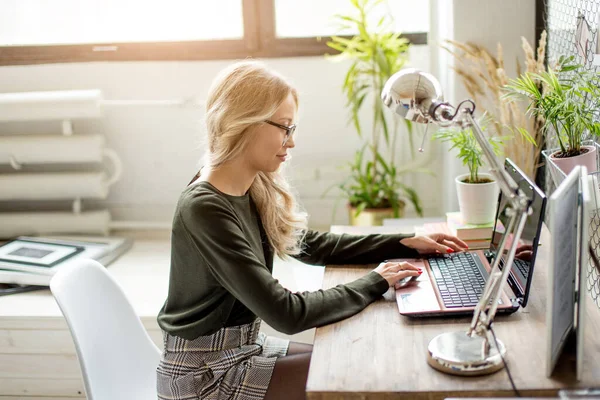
(476, 236)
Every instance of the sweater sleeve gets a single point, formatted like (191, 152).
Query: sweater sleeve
(329, 248)
(217, 234)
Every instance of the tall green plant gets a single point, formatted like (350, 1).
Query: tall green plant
(566, 98)
(469, 150)
(376, 53)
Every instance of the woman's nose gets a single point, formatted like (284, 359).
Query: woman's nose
(290, 142)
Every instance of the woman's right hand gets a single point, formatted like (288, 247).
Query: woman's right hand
(394, 271)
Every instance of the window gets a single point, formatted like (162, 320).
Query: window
(295, 19)
(49, 31)
(52, 22)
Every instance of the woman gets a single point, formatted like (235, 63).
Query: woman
(228, 225)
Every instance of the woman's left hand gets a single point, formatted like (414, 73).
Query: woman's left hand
(435, 243)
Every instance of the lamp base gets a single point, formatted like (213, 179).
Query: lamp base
(457, 353)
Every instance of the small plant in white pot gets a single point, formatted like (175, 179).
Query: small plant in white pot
(477, 191)
(566, 99)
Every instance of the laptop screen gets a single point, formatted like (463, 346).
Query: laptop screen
(522, 268)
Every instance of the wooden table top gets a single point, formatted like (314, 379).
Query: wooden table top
(379, 354)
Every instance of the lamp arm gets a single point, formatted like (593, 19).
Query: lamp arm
(520, 217)
(495, 283)
(507, 184)
(417, 96)
(519, 208)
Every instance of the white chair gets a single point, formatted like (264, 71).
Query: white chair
(117, 357)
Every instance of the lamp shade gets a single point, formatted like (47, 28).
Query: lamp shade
(413, 94)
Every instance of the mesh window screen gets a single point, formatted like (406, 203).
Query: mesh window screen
(562, 22)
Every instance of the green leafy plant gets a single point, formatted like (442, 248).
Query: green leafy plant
(376, 53)
(367, 189)
(469, 151)
(565, 97)
(484, 76)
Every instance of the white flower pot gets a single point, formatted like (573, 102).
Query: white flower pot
(559, 168)
(477, 201)
(567, 164)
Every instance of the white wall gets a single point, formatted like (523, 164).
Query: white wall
(160, 145)
(485, 22)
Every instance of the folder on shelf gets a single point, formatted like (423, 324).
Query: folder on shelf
(28, 260)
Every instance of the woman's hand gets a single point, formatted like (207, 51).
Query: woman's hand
(392, 272)
(435, 243)
(524, 252)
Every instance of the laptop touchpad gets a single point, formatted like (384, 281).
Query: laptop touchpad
(418, 295)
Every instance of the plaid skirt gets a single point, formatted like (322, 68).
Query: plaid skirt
(233, 363)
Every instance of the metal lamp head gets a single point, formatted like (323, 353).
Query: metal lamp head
(413, 94)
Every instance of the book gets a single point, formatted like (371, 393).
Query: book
(466, 231)
(442, 227)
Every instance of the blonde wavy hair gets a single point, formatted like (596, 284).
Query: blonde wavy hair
(241, 97)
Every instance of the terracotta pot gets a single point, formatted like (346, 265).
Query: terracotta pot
(373, 216)
(477, 201)
(567, 164)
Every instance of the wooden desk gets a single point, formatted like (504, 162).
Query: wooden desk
(379, 354)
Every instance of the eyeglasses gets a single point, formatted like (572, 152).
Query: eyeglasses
(289, 130)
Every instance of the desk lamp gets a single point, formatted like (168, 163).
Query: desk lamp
(417, 96)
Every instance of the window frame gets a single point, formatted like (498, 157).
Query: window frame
(259, 41)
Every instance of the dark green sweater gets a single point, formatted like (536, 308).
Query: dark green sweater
(221, 270)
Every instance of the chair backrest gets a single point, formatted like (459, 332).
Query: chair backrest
(117, 357)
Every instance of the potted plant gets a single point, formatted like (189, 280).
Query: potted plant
(484, 76)
(477, 192)
(567, 99)
(373, 188)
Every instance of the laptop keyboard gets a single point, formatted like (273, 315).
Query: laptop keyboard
(458, 278)
(521, 265)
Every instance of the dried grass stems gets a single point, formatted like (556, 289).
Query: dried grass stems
(484, 77)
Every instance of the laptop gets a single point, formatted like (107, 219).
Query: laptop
(567, 270)
(453, 283)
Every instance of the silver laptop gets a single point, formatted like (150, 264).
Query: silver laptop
(453, 284)
(567, 269)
